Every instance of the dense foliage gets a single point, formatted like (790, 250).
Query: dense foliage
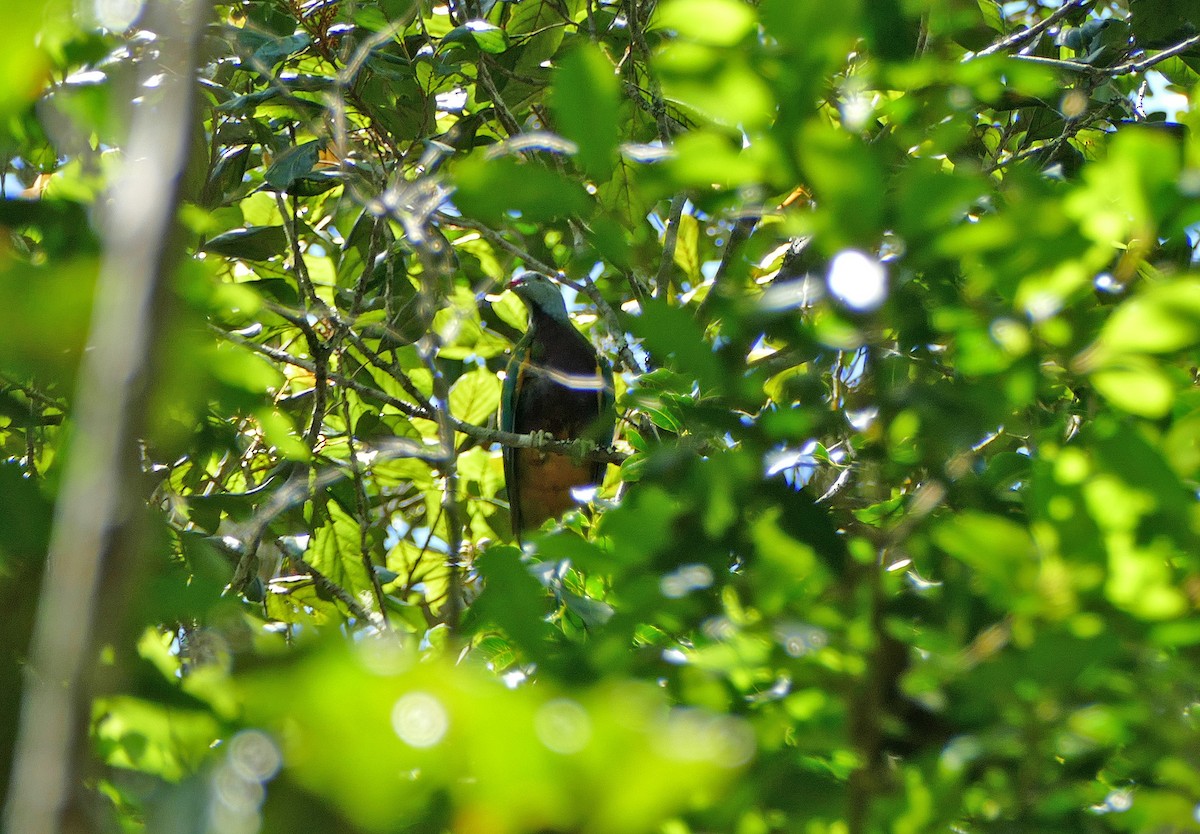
(900, 532)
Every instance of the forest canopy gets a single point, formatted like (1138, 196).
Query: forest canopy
(898, 531)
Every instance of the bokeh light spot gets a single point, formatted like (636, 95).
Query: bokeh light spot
(420, 719)
(563, 726)
(254, 755)
(858, 280)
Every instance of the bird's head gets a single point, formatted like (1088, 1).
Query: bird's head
(540, 294)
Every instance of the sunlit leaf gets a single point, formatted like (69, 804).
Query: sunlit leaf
(1135, 384)
(720, 22)
(475, 396)
(1163, 318)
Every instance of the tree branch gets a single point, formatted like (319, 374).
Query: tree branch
(481, 434)
(670, 238)
(1157, 58)
(1023, 36)
(1117, 70)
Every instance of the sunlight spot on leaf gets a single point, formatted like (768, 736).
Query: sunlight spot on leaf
(856, 109)
(584, 494)
(1117, 801)
(452, 101)
(790, 295)
(675, 656)
(686, 579)
(1043, 305)
(861, 419)
(515, 678)
(647, 154)
(1106, 283)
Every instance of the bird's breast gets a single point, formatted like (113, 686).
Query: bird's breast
(546, 480)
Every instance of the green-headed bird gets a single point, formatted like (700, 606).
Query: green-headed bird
(557, 385)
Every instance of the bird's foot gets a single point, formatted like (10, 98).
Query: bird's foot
(540, 438)
(580, 448)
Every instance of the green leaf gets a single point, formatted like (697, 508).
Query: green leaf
(226, 176)
(720, 85)
(277, 289)
(293, 164)
(337, 550)
(848, 180)
(1158, 24)
(1000, 551)
(280, 432)
(1135, 384)
(23, 63)
(475, 396)
(260, 243)
(1140, 581)
(1163, 318)
(512, 600)
(27, 532)
(276, 50)
(671, 332)
(314, 183)
(687, 248)
(487, 36)
(717, 22)
(585, 99)
(704, 158)
(63, 225)
(491, 188)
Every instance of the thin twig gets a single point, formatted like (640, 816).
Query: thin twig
(334, 589)
(505, 116)
(530, 260)
(653, 89)
(670, 239)
(293, 238)
(321, 352)
(738, 235)
(428, 349)
(360, 503)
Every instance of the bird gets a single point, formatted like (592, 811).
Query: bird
(556, 386)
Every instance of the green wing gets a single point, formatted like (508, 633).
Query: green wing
(510, 392)
(607, 424)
